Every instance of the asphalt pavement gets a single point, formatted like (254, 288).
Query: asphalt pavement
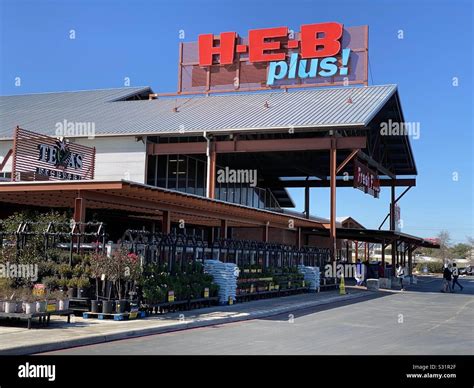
(421, 320)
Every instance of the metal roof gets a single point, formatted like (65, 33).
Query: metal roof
(113, 114)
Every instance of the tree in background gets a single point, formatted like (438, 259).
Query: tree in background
(470, 257)
(461, 251)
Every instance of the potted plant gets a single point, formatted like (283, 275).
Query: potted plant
(29, 302)
(118, 268)
(64, 270)
(72, 288)
(51, 302)
(50, 282)
(98, 268)
(63, 300)
(63, 284)
(5, 292)
(11, 303)
(83, 285)
(41, 304)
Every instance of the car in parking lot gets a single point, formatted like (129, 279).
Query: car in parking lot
(469, 270)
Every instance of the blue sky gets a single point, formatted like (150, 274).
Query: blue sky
(139, 40)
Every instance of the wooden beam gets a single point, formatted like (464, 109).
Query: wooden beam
(344, 183)
(59, 185)
(346, 160)
(271, 145)
(373, 163)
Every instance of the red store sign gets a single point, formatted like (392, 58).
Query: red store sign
(366, 180)
(320, 54)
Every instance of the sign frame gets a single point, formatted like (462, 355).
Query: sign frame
(187, 66)
(27, 163)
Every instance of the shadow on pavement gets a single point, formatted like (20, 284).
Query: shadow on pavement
(434, 283)
(325, 307)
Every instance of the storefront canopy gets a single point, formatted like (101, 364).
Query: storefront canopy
(147, 201)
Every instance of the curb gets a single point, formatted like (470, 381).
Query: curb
(135, 333)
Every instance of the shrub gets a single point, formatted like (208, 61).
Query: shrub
(432, 266)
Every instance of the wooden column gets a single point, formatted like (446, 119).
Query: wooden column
(332, 168)
(166, 222)
(79, 209)
(223, 230)
(212, 172)
(265, 232)
(392, 227)
(298, 237)
(410, 260)
(383, 254)
(356, 243)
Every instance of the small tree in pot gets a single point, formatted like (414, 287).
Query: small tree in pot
(83, 285)
(98, 269)
(119, 271)
(29, 302)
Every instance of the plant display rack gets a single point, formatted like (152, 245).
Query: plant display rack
(43, 318)
(115, 316)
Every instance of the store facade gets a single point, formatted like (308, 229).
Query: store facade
(237, 150)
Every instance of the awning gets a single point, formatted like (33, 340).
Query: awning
(376, 236)
(147, 201)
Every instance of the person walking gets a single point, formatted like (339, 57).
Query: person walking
(359, 277)
(446, 279)
(455, 273)
(400, 274)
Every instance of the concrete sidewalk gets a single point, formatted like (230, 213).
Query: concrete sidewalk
(59, 335)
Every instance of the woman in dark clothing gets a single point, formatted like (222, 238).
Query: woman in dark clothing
(446, 279)
(455, 277)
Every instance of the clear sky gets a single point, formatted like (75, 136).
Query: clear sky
(139, 40)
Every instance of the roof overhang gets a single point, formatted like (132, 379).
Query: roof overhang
(148, 201)
(377, 236)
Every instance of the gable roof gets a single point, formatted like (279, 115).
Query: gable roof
(124, 112)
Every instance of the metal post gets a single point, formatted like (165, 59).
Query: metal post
(383, 254)
(332, 167)
(392, 227)
(410, 261)
(306, 201)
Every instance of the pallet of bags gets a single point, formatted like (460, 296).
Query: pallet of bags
(225, 276)
(311, 276)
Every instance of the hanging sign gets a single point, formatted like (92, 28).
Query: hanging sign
(366, 180)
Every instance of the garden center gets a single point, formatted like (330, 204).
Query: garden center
(124, 201)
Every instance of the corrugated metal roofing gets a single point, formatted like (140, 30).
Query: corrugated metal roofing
(316, 108)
